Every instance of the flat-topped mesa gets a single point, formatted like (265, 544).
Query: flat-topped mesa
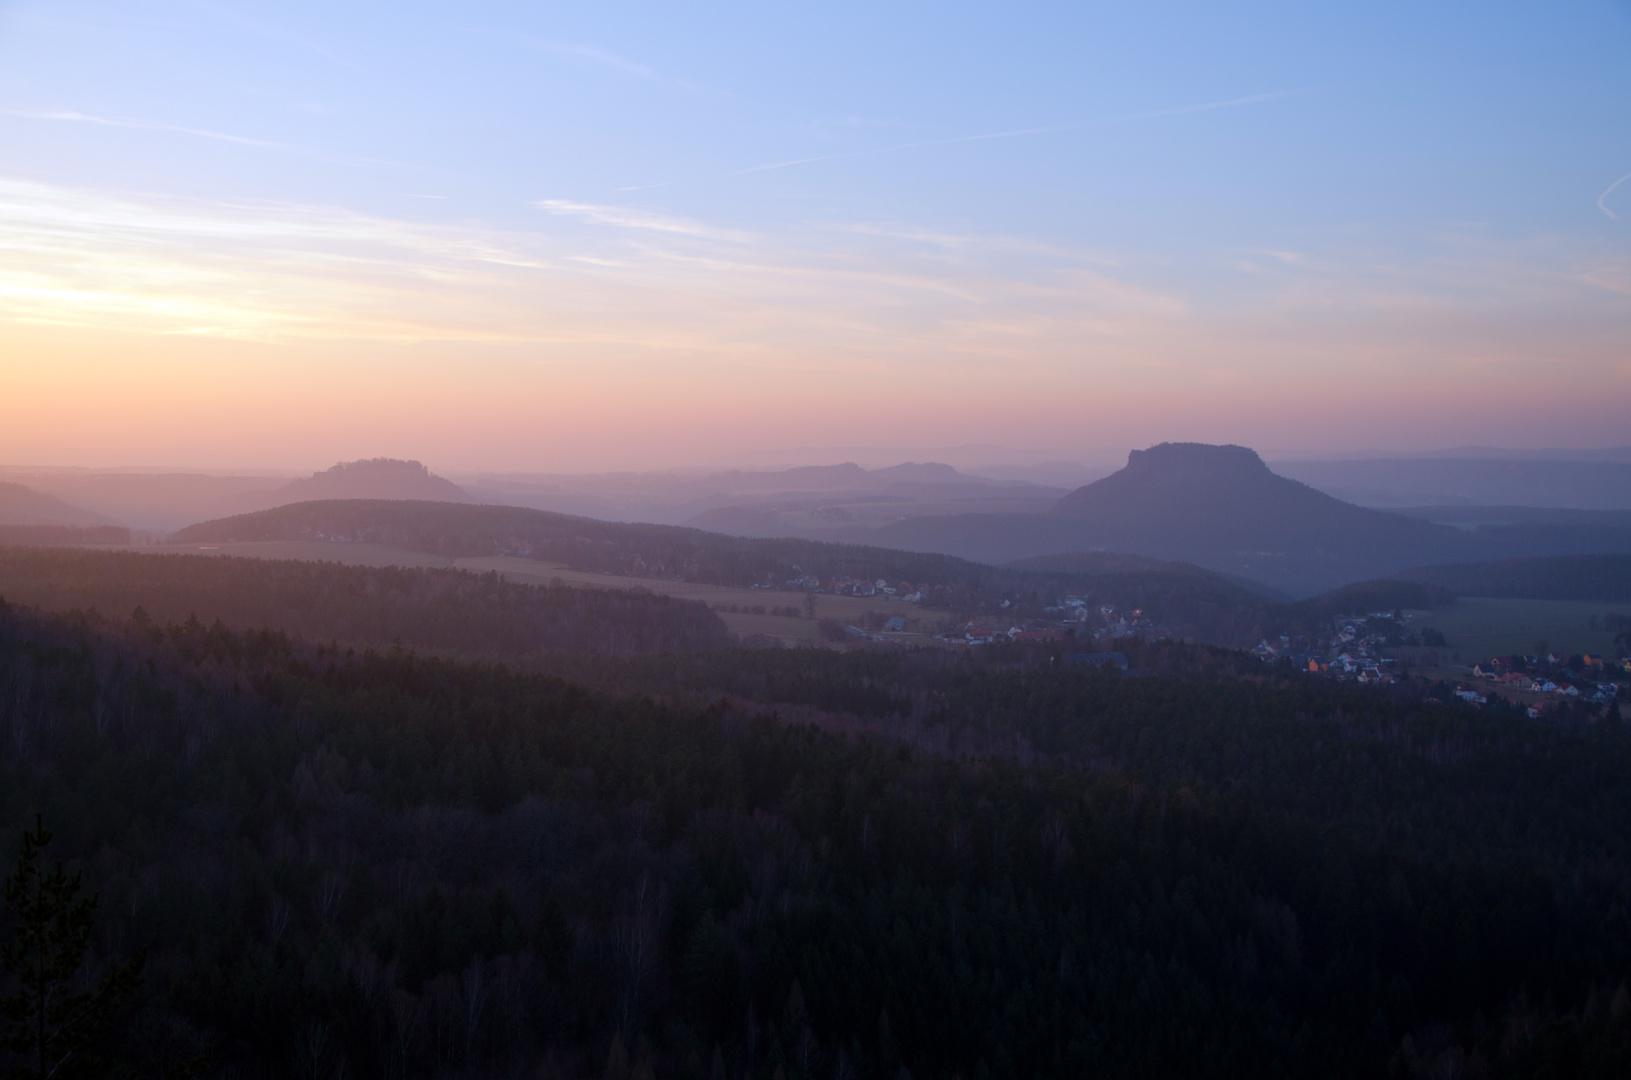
(380, 466)
(372, 478)
(1200, 459)
(1185, 477)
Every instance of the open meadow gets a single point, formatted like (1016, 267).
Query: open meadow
(1479, 627)
(791, 630)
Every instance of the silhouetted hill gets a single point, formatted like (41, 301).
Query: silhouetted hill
(1192, 602)
(1216, 506)
(155, 501)
(1221, 508)
(928, 472)
(668, 551)
(375, 478)
(839, 502)
(20, 505)
(1176, 494)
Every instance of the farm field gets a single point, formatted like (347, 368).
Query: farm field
(792, 631)
(1478, 627)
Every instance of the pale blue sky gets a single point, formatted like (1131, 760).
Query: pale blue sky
(1198, 153)
(1393, 116)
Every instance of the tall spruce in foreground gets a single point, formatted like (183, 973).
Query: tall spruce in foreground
(53, 1032)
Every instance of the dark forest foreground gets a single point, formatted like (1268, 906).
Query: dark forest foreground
(372, 864)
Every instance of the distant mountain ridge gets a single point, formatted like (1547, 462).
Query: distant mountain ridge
(1191, 601)
(21, 505)
(813, 502)
(372, 478)
(1222, 508)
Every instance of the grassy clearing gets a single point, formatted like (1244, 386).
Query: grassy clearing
(790, 630)
(1478, 627)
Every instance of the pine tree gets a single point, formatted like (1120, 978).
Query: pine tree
(51, 1031)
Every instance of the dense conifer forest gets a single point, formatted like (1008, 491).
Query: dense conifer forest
(344, 862)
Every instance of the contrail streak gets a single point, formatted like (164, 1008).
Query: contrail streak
(1610, 190)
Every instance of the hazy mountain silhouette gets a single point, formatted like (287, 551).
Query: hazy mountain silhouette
(815, 502)
(1222, 508)
(158, 501)
(373, 478)
(1179, 496)
(20, 505)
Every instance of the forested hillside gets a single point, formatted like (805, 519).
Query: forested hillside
(583, 543)
(377, 865)
(1193, 602)
(443, 610)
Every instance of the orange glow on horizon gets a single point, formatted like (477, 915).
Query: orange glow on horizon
(137, 330)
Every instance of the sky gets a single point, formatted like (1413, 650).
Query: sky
(557, 237)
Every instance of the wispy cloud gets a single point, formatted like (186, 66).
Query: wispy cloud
(629, 218)
(896, 305)
(652, 322)
(130, 124)
(145, 125)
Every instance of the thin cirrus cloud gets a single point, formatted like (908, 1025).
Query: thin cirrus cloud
(74, 117)
(71, 117)
(624, 217)
(275, 273)
(659, 303)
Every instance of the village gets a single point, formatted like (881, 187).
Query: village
(1536, 683)
(1069, 618)
(1540, 682)
(1352, 651)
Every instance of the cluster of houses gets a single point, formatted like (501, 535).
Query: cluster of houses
(1072, 617)
(1558, 676)
(1352, 651)
(848, 586)
(984, 632)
